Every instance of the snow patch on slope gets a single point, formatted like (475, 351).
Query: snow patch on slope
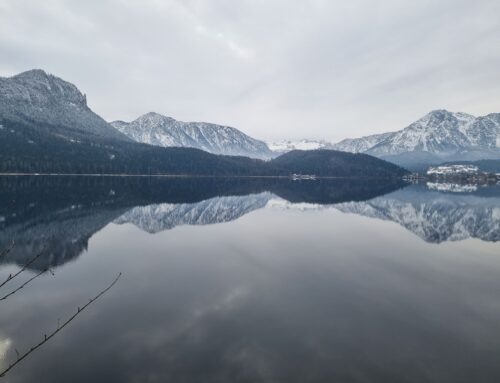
(285, 146)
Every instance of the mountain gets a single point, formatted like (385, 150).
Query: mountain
(28, 148)
(159, 130)
(285, 146)
(37, 97)
(437, 132)
(437, 137)
(360, 145)
(322, 162)
(32, 148)
(47, 127)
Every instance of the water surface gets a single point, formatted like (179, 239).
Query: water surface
(244, 280)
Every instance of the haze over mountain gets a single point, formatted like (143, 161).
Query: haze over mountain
(156, 129)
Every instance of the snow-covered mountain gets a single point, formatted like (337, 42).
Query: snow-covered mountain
(165, 216)
(440, 135)
(285, 146)
(156, 129)
(360, 145)
(37, 97)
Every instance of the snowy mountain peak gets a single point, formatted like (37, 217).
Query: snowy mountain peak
(32, 74)
(156, 129)
(434, 119)
(36, 75)
(440, 132)
(154, 117)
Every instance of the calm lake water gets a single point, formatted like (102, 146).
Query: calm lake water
(250, 280)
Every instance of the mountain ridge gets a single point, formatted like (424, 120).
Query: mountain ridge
(438, 136)
(159, 130)
(47, 127)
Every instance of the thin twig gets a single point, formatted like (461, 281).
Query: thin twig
(24, 284)
(3, 253)
(59, 328)
(11, 277)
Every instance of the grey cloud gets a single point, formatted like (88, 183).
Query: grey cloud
(275, 69)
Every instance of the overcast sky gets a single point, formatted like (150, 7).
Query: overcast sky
(272, 68)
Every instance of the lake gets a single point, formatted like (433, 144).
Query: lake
(249, 280)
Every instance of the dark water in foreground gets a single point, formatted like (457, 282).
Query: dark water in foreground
(233, 280)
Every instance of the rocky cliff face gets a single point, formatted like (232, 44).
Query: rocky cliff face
(37, 97)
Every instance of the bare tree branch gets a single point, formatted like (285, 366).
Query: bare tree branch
(59, 328)
(24, 284)
(12, 276)
(3, 253)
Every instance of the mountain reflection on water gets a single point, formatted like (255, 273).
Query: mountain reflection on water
(251, 280)
(437, 216)
(58, 215)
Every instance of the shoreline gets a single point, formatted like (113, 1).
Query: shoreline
(185, 176)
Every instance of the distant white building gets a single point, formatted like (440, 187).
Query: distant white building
(447, 170)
